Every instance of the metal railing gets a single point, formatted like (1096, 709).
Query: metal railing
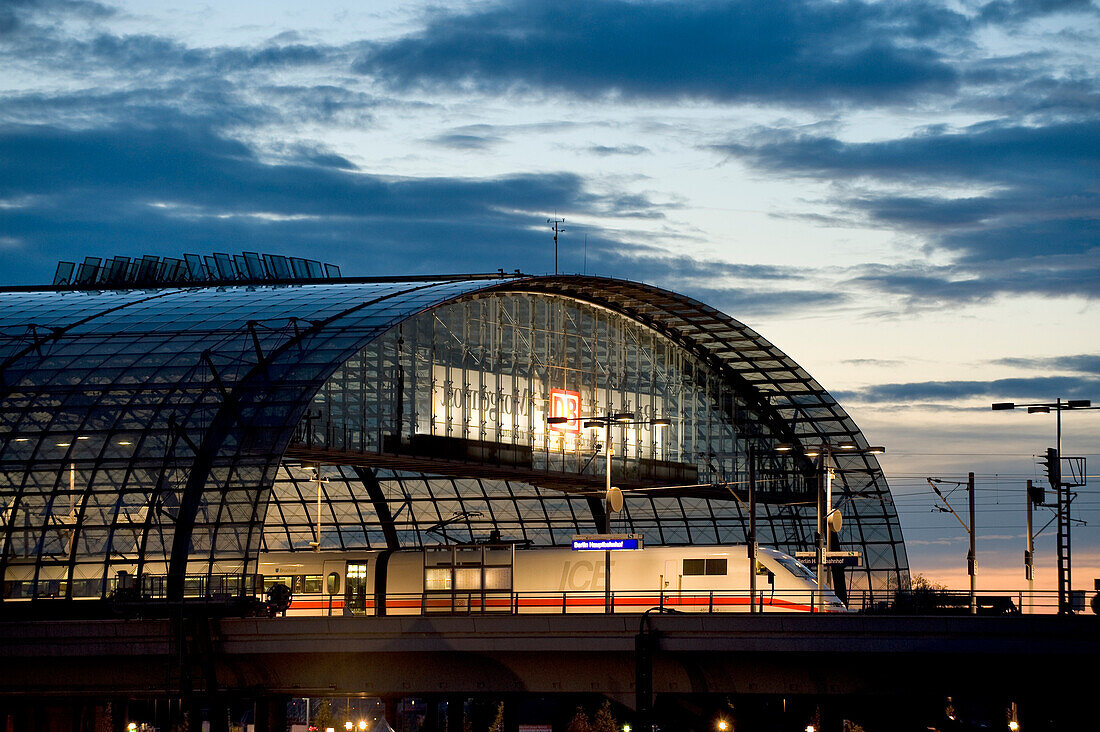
(246, 591)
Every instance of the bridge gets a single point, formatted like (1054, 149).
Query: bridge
(698, 654)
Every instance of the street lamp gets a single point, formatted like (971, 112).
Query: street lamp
(827, 517)
(316, 544)
(622, 419)
(1065, 584)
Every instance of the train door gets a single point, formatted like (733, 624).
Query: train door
(356, 591)
(672, 582)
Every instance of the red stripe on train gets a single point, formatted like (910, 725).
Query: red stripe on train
(592, 602)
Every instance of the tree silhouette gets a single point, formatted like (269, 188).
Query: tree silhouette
(605, 720)
(579, 723)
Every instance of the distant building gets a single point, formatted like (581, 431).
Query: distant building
(158, 419)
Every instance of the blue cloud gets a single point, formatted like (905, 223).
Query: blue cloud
(1017, 389)
(789, 51)
(925, 286)
(126, 190)
(605, 150)
(1082, 363)
(1018, 11)
(1034, 230)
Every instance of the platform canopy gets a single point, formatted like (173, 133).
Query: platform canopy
(175, 430)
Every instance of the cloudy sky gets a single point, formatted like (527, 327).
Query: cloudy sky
(903, 195)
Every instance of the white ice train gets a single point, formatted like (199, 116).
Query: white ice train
(505, 579)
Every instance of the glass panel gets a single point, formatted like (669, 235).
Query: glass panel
(467, 578)
(693, 567)
(716, 566)
(437, 578)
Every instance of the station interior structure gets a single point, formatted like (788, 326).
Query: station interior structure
(163, 421)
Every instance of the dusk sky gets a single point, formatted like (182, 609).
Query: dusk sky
(902, 195)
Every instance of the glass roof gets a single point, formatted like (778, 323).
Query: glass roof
(143, 431)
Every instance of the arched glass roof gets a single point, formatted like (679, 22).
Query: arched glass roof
(143, 430)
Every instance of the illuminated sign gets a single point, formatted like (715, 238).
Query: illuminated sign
(606, 542)
(514, 409)
(832, 559)
(565, 403)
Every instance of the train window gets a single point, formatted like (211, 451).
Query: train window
(333, 585)
(357, 571)
(437, 578)
(797, 568)
(311, 584)
(270, 581)
(699, 567)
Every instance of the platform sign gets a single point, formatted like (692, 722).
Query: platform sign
(606, 542)
(832, 559)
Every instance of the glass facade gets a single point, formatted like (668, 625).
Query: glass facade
(495, 368)
(144, 432)
(491, 370)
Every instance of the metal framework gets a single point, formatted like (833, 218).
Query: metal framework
(147, 431)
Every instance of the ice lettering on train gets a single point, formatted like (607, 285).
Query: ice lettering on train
(581, 575)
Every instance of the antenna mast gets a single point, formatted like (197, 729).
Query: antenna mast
(557, 229)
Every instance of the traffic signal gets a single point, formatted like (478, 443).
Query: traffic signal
(1053, 466)
(1036, 494)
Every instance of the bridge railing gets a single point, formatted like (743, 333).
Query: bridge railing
(957, 602)
(246, 591)
(581, 601)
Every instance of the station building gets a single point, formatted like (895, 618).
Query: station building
(162, 421)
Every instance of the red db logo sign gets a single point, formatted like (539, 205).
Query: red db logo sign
(564, 403)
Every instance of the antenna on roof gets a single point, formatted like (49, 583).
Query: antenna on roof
(557, 230)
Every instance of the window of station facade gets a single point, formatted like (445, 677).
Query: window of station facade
(479, 378)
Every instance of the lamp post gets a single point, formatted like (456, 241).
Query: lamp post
(825, 517)
(752, 528)
(1065, 584)
(316, 544)
(623, 419)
